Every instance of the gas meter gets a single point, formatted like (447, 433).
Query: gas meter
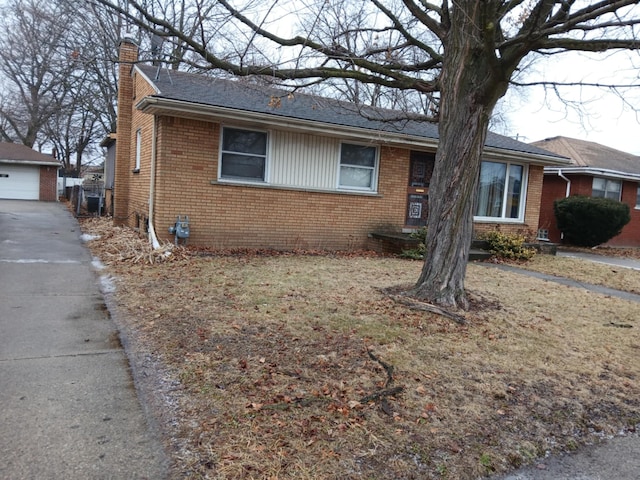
(180, 229)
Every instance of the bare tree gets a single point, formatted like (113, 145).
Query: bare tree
(464, 53)
(87, 104)
(33, 66)
(58, 72)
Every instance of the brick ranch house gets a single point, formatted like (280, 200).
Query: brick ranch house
(255, 167)
(26, 174)
(596, 171)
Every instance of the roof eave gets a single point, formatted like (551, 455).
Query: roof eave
(533, 158)
(162, 106)
(165, 106)
(592, 171)
(30, 162)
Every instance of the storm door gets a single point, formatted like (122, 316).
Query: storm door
(420, 170)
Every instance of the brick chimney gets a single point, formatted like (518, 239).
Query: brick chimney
(128, 55)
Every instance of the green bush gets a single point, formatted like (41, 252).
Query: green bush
(508, 246)
(588, 221)
(417, 253)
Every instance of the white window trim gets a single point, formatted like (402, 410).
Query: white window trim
(268, 155)
(138, 149)
(374, 178)
(606, 182)
(637, 207)
(523, 203)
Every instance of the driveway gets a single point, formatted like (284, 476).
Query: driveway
(69, 404)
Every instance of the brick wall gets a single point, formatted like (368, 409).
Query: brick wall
(128, 55)
(139, 180)
(630, 235)
(224, 215)
(555, 188)
(48, 183)
(231, 216)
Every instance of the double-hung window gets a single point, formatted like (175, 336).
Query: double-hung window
(638, 197)
(136, 168)
(501, 191)
(605, 188)
(358, 165)
(243, 154)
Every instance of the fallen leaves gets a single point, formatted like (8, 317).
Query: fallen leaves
(266, 355)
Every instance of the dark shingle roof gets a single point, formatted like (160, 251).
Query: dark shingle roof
(15, 152)
(242, 95)
(592, 155)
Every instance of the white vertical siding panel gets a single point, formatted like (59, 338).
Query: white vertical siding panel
(306, 161)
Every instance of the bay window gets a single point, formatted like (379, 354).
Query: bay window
(501, 191)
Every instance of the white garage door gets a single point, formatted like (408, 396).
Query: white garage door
(19, 182)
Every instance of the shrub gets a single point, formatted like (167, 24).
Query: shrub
(417, 253)
(588, 221)
(508, 246)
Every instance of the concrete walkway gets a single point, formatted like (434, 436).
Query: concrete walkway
(69, 408)
(630, 263)
(618, 458)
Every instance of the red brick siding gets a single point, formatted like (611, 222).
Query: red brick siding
(555, 188)
(48, 184)
(630, 235)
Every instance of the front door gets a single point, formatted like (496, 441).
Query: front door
(420, 170)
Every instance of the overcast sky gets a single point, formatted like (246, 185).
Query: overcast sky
(604, 117)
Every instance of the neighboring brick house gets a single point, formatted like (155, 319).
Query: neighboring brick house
(26, 174)
(256, 167)
(596, 171)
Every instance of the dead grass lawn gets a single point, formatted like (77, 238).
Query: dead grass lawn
(268, 361)
(587, 272)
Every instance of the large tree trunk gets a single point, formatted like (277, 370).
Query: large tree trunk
(471, 84)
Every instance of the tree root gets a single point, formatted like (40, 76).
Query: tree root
(298, 402)
(415, 304)
(387, 391)
(381, 394)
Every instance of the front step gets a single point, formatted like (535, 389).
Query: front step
(477, 255)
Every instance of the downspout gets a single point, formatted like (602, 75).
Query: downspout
(152, 188)
(568, 191)
(566, 194)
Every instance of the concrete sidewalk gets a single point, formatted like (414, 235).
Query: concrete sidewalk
(630, 263)
(69, 408)
(617, 458)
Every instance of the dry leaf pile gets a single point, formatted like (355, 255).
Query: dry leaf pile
(300, 367)
(121, 244)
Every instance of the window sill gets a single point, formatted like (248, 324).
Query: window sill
(498, 220)
(227, 183)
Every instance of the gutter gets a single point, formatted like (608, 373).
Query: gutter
(599, 172)
(31, 162)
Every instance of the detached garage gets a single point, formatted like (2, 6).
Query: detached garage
(26, 174)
